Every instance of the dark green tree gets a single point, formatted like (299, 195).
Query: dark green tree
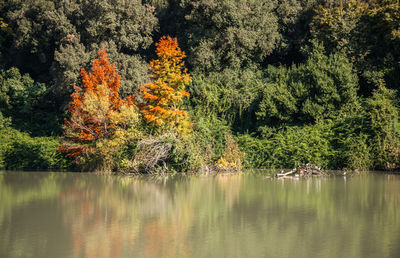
(227, 33)
(52, 40)
(368, 32)
(20, 97)
(230, 94)
(294, 18)
(325, 86)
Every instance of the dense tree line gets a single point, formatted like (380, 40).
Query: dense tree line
(288, 81)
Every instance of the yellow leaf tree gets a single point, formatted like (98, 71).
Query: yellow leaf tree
(163, 97)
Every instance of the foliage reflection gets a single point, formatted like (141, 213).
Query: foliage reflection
(81, 215)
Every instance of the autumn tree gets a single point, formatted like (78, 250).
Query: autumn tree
(101, 123)
(163, 97)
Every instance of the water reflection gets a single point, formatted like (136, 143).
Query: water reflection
(85, 215)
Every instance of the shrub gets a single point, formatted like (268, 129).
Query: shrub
(7, 137)
(23, 100)
(19, 151)
(325, 86)
(163, 153)
(289, 147)
(355, 154)
(232, 157)
(351, 143)
(256, 151)
(231, 94)
(210, 134)
(384, 128)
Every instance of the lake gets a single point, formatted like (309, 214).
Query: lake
(225, 215)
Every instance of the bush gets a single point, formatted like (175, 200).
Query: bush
(19, 151)
(209, 135)
(230, 94)
(289, 147)
(171, 151)
(163, 153)
(4, 121)
(26, 102)
(7, 137)
(325, 86)
(231, 159)
(384, 129)
(354, 154)
(256, 151)
(351, 143)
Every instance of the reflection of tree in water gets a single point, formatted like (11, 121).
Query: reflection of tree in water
(112, 216)
(31, 187)
(194, 201)
(231, 185)
(124, 215)
(24, 198)
(99, 220)
(87, 215)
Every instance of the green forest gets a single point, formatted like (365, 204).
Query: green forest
(199, 85)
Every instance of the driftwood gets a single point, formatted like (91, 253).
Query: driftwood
(302, 171)
(293, 171)
(152, 154)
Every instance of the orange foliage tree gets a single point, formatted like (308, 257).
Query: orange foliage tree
(100, 120)
(163, 96)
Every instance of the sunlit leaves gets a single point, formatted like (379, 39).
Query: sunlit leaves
(164, 95)
(100, 122)
(2, 23)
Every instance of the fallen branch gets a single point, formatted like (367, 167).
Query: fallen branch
(293, 171)
(302, 171)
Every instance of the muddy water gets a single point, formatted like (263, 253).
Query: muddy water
(88, 215)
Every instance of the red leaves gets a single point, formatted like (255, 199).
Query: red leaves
(103, 72)
(168, 47)
(74, 150)
(92, 105)
(99, 116)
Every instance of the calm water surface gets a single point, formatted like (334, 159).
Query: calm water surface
(88, 215)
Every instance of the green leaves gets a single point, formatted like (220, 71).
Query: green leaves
(52, 40)
(231, 94)
(20, 151)
(290, 147)
(20, 96)
(367, 31)
(323, 87)
(229, 33)
(384, 128)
